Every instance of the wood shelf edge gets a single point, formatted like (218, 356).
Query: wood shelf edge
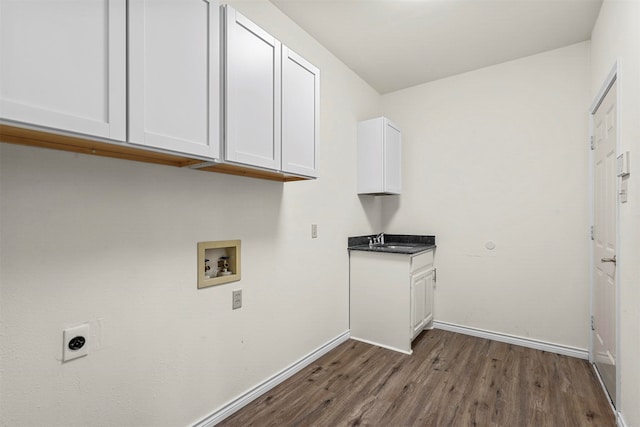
(230, 169)
(56, 141)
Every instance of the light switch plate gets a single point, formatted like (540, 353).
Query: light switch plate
(314, 231)
(623, 164)
(75, 341)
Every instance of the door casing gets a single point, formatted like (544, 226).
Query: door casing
(614, 76)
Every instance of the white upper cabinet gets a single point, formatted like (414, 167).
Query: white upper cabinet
(174, 83)
(379, 157)
(300, 114)
(62, 65)
(252, 82)
(272, 101)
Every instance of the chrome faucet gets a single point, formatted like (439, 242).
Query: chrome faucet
(378, 240)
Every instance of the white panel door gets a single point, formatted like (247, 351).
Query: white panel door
(252, 74)
(392, 158)
(300, 114)
(62, 65)
(605, 196)
(174, 95)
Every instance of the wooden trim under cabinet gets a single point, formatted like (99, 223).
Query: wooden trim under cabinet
(232, 169)
(57, 141)
(36, 138)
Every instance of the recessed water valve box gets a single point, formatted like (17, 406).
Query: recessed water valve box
(218, 262)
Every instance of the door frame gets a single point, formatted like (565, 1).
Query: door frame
(613, 76)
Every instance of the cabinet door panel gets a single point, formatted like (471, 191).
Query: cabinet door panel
(252, 93)
(371, 156)
(428, 313)
(300, 107)
(421, 300)
(174, 75)
(63, 65)
(418, 302)
(392, 159)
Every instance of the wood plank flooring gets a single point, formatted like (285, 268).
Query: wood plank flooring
(450, 380)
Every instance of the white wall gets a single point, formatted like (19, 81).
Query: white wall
(496, 154)
(500, 154)
(616, 36)
(113, 243)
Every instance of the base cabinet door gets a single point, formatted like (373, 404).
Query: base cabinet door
(63, 65)
(421, 300)
(174, 82)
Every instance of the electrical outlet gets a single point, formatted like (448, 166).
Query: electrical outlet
(237, 299)
(314, 231)
(75, 341)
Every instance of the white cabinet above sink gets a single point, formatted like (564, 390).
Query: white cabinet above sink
(379, 157)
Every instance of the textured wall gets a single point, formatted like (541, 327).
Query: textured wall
(113, 243)
(616, 37)
(500, 154)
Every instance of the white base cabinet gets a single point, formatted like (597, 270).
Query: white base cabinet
(391, 297)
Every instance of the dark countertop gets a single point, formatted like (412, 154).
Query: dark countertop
(394, 243)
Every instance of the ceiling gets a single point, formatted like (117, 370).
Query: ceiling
(395, 44)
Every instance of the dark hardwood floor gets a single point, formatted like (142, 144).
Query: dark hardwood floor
(450, 380)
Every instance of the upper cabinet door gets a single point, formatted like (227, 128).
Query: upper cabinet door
(392, 158)
(62, 65)
(300, 114)
(174, 81)
(379, 157)
(252, 75)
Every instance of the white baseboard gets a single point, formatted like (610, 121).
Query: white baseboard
(620, 420)
(579, 353)
(252, 394)
(618, 415)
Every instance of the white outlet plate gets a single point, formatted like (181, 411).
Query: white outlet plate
(237, 299)
(314, 231)
(70, 334)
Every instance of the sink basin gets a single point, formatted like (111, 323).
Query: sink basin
(393, 246)
(397, 247)
(393, 243)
